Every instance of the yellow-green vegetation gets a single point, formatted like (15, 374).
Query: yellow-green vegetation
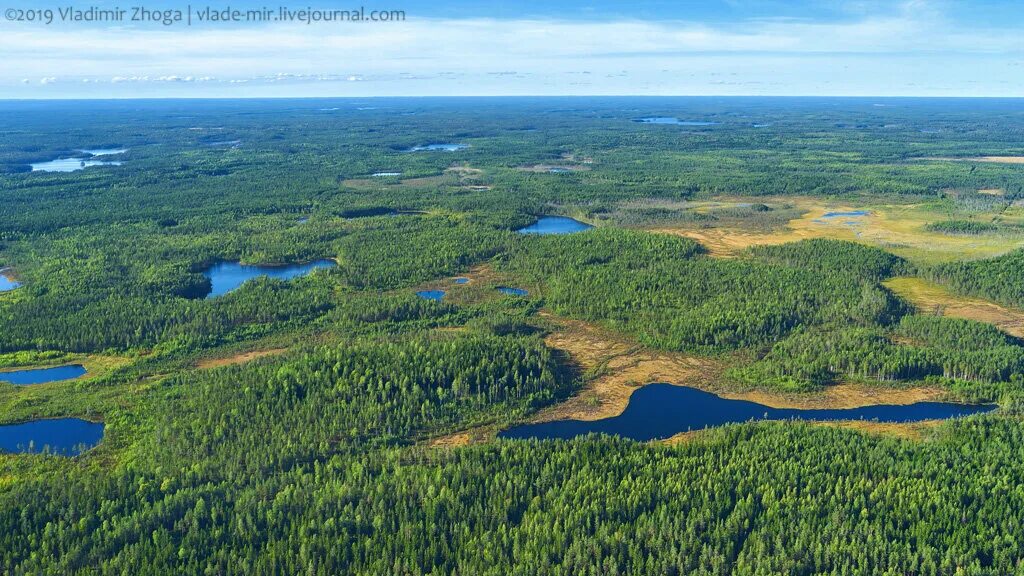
(898, 228)
(914, 431)
(88, 395)
(991, 159)
(96, 365)
(931, 298)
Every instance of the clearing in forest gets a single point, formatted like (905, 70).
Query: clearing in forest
(929, 297)
(897, 228)
(238, 358)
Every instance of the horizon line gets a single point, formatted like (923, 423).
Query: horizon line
(497, 96)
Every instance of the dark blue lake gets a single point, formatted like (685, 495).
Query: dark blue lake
(43, 375)
(673, 121)
(64, 436)
(662, 410)
(431, 294)
(227, 276)
(555, 225)
(512, 291)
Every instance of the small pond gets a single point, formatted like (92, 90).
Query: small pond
(431, 294)
(6, 282)
(555, 225)
(64, 436)
(673, 121)
(43, 375)
(663, 410)
(850, 214)
(439, 148)
(461, 280)
(512, 291)
(227, 276)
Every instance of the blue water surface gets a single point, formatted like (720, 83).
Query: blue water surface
(439, 148)
(69, 165)
(64, 436)
(673, 121)
(663, 410)
(431, 294)
(555, 225)
(850, 214)
(7, 283)
(43, 375)
(227, 276)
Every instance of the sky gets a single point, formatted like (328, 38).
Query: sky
(488, 47)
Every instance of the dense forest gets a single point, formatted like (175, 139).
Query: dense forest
(307, 425)
(661, 290)
(270, 469)
(1000, 279)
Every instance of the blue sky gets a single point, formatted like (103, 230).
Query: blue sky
(462, 47)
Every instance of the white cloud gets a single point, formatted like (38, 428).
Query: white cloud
(912, 42)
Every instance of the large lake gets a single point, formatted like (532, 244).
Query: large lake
(555, 225)
(227, 276)
(673, 121)
(64, 436)
(69, 165)
(439, 148)
(73, 164)
(43, 375)
(662, 410)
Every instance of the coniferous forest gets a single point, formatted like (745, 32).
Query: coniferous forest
(345, 421)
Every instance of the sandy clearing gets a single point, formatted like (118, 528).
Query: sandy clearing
(929, 297)
(915, 431)
(238, 358)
